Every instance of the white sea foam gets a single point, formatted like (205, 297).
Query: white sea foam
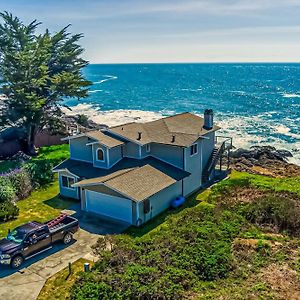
(113, 117)
(95, 91)
(244, 130)
(107, 78)
(286, 95)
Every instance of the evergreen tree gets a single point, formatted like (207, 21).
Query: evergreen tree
(37, 71)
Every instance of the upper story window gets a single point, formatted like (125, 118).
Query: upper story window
(67, 182)
(100, 154)
(194, 149)
(147, 148)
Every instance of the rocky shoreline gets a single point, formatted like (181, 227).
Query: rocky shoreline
(264, 160)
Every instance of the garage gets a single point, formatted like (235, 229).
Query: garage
(110, 206)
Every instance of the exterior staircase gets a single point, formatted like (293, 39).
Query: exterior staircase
(215, 158)
(211, 164)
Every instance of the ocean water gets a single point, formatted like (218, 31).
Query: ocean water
(256, 104)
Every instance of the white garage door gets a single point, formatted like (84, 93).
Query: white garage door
(114, 207)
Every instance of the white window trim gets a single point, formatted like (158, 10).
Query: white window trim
(100, 160)
(195, 144)
(66, 187)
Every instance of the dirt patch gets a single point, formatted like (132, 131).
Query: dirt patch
(282, 280)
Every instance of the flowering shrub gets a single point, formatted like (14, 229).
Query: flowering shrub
(21, 182)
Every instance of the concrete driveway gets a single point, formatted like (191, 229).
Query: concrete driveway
(27, 282)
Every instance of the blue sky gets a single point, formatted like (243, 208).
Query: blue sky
(117, 31)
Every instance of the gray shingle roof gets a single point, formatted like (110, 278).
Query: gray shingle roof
(137, 179)
(104, 139)
(186, 128)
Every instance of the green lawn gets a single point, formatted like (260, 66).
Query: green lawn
(54, 154)
(42, 205)
(58, 286)
(291, 184)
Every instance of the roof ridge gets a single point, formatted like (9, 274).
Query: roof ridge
(118, 175)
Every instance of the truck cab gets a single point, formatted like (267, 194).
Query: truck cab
(34, 238)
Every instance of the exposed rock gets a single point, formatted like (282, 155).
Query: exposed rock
(264, 160)
(20, 156)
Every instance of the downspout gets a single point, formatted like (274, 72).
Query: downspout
(183, 164)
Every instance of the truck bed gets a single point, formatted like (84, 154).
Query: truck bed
(67, 222)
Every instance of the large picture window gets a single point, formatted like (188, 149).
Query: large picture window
(67, 181)
(100, 154)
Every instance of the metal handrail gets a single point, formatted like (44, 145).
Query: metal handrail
(214, 161)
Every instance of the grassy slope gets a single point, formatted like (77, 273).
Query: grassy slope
(265, 265)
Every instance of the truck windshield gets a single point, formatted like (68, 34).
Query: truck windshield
(16, 236)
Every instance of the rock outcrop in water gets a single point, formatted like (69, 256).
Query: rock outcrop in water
(264, 160)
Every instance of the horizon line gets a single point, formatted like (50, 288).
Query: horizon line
(191, 62)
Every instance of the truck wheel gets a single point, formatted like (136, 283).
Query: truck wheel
(67, 238)
(16, 262)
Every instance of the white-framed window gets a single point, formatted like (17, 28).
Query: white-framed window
(100, 154)
(194, 149)
(67, 182)
(148, 148)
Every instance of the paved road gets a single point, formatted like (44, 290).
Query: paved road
(25, 284)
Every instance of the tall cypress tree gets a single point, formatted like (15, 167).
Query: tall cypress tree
(37, 72)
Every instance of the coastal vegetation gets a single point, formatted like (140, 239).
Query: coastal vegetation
(38, 71)
(233, 243)
(19, 178)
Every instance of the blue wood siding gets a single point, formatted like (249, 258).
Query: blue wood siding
(79, 150)
(170, 154)
(193, 165)
(159, 202)
(115, 154)
(208, 147)
(131, 150)
(111, 156)
(67, 192)
(97, 163)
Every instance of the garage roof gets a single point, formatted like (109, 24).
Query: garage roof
(133, 178)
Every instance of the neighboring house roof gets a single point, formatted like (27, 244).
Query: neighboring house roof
(134, 178)
(185, 127)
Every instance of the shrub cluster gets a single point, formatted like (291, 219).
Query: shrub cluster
(14, 185)
(40, 172)
(279, 210)
(165, 263)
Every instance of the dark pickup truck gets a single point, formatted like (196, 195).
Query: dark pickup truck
(33, 238)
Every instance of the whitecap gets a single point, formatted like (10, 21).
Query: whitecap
(286, 95)
(107, 78)
(95, 91)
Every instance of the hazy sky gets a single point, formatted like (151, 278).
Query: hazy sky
(173, 31)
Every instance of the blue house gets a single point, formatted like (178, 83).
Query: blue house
(132, 172)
